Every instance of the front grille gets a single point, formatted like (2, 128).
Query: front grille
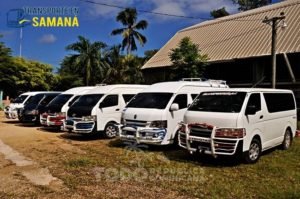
(69, 122)
(128, 133)
(85, 125)
(200, 132)
(201, 145)
(182, 139)
(136, 123)
(225, 146)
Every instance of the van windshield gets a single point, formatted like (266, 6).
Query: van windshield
(35, 99)
(60, 99)
(150, 100)
(87, 100)
(20, 99)
(226, 102)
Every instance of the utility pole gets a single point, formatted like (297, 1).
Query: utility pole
(274, 23)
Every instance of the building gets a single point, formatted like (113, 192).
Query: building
(239, 48)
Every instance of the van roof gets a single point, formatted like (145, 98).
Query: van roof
(78, 90)
(249, 90)
(39, 92)
(166, 87)
(108, 88)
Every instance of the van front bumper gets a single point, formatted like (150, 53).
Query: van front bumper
(145, 135)
(210, 145)
(78, 126)
(11, 114)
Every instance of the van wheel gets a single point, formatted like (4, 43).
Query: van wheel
(287, 140)
(110, 130)
(254, 152)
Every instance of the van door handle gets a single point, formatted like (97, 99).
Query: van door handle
(117, 109)
(261, 117)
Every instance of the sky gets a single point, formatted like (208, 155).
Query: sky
(47, 44)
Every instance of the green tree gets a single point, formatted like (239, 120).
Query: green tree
(187, 60)
(67, 76)
(113, 58)
(219, 13)
(251, 4)
(123, 69)
(128, 18)
(87, 60)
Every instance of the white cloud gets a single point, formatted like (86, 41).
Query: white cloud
(191, 8)
(96, 10)
(47, 38)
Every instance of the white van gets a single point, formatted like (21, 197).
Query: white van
(100, 109)
(151, 117)
(239, 122)
(11, 111)
(55, 111)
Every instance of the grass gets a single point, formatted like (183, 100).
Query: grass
(175, 173)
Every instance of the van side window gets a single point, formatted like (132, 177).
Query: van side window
(181, 100)
(277, 102)
(110, 100)
(47, 99)
(74, 99)
(254, 100)
(127, 97)
(194, 96)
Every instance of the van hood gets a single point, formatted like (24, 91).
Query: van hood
(211, 118)
(53, 108)
(143, 114)
(16, 105)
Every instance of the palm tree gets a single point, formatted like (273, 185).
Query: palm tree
(128, 18)
(88, 57)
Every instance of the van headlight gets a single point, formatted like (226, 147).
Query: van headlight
(159, 124)
(89, 118)
(230, 132)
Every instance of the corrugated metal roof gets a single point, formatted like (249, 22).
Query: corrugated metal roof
(238, 36)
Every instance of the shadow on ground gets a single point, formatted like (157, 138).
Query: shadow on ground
(50, 129)
(175, 153)
(11, 122)
(80, 137)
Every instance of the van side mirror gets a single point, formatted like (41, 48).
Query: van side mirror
(174, 107)
(251, 110)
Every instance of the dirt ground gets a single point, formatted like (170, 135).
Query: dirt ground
(44, 163)
(39, 163)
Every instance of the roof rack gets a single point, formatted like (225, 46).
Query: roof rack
(214, 81)
(211, 81)
(193, 79)
(101, 84)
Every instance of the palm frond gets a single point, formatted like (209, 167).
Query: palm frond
(142, 39)
(143, 24)
(118, 31)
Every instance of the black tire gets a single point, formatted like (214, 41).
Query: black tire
(287, 140)
(175, 140)
(253, 154)
(110, 131)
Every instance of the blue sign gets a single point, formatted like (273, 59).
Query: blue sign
(16, 18)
